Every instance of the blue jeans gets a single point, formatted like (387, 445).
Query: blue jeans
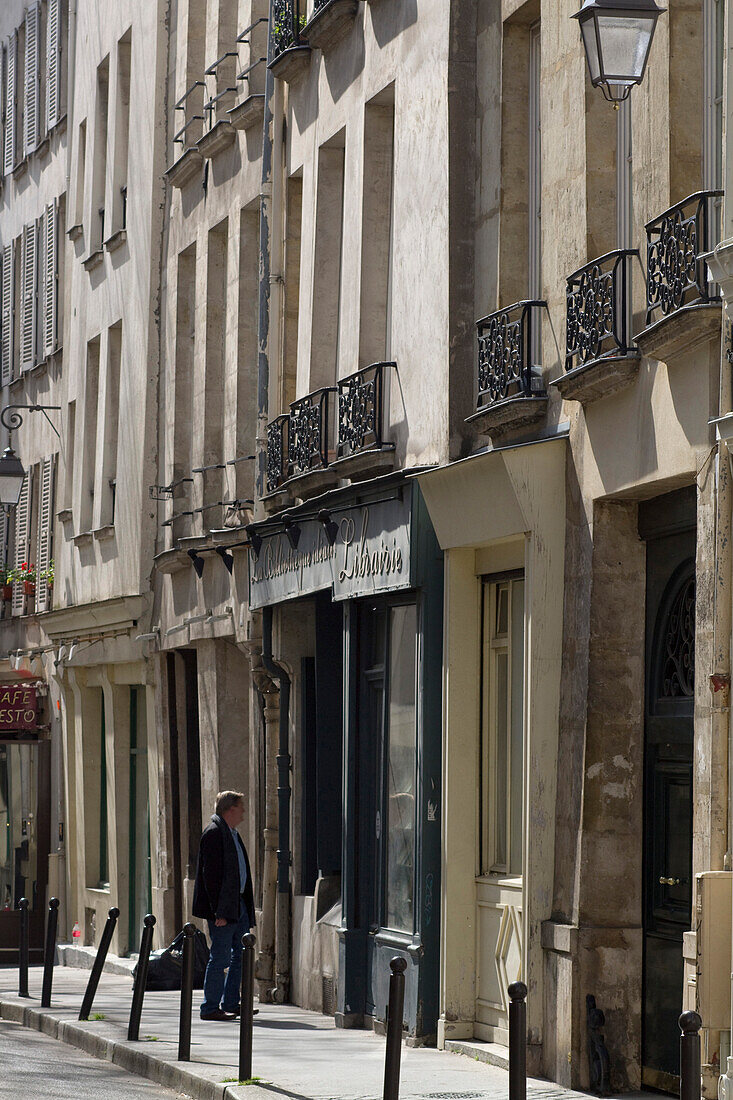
(225, 951)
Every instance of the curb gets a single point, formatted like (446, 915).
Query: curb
(129, 1057)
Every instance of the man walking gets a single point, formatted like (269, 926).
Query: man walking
(223, 896)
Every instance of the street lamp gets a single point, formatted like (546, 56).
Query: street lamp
(617, 37)
(12, 476)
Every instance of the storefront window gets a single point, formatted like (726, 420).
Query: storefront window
(401, 752)
(18, 822)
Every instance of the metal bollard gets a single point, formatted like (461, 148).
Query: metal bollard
(23, 949)
(141, 979)
(246, 1006)
(394, 1029)
(98, 966)
(184, 1022)
(690, 1024)
(49, 955)
(517, 1041)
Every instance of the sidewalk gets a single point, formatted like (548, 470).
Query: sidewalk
(297, 1054)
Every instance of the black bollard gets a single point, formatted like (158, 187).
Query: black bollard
(49, 955)
(246, 1006)
(394, 1029)
(690, 1078)
(141, 979)
(517, 1041)
(184, 1023)
(23, 949)
(98, 966)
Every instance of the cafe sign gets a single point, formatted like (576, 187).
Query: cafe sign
(370, 554)
(18, 708)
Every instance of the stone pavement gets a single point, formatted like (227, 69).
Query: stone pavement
(297, 1054)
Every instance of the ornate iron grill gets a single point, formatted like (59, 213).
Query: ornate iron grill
(598, 302)
(675, 243)
(361, 410)
(506, 350)
(287, 23)
(308, 432)
(276, 447)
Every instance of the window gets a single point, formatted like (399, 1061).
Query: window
(376, 231)
(122, 133)
(713, 92)
(49, 281)
(100, 158)
(28, 290)
(81, 162)
(327, 264)
(401, 748)
(54, 78)
(11, 103)
(7, 342)
(89, 449)
(502, 758)
(47, 482)
(32, 70)
(22, 540)
(105, 492)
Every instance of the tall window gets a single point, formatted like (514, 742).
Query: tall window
(502, 689)
(535, 166)
(712, 150)
(400, 751)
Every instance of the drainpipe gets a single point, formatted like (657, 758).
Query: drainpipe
(282, 936)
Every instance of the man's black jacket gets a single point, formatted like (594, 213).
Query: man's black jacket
(216, 890)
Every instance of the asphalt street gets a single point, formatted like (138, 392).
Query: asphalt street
(35, 1067)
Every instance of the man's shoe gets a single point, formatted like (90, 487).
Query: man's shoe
(218, 1015)
(236, 1011)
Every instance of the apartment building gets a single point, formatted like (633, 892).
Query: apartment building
(33, 162)
(203, 486)
(586, 667)
(105, 523)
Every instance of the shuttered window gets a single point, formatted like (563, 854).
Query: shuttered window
(2, 102)
(45, 531)
(4, 548)
(53, 63)
(49, 280)
(11, 73)
(32, 72)
(22, 539)
(7, 333)
(28, 283)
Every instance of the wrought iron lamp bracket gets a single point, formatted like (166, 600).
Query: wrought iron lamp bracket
(11, 419)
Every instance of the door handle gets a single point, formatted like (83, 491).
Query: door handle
(663, 881)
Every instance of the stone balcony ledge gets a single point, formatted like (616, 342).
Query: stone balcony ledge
(598, 378)
(249, 113)
(510, 415)
(330, 23)
(189, 164)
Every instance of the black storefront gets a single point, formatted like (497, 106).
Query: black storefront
(368, 784)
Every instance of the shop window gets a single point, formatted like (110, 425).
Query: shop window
(502, 758)
(401, 747)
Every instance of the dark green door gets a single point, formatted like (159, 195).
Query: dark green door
(670, 654)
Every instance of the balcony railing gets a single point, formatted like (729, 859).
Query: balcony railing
(598, 301)
(190, 109)
(676, 240)
(309, 432)
(361, 410)
(506, 346)
(288, 20)
(277, 431)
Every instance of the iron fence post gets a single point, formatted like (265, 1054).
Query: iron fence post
(141, 979)
(394, 1029)
(109, 928)
(246, 1006)
(49, 956)
(690, 1024)
(184, 1022)
(23, 949)
(517, 1041)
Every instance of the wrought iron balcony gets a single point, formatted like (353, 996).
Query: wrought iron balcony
(598, 301)
(288, 20)
(361, 410)
(675, 243)
(277, 445)
(309, 432)
(506, 342)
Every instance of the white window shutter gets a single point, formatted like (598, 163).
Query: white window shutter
(4, 539)
(53, 62)
(11, 93)
(3, 54)
(32, 80)
(28, 296)
(49, 247)
(45, 531)
(7, 333)
(22, 540)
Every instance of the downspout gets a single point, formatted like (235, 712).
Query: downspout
(282, 938)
